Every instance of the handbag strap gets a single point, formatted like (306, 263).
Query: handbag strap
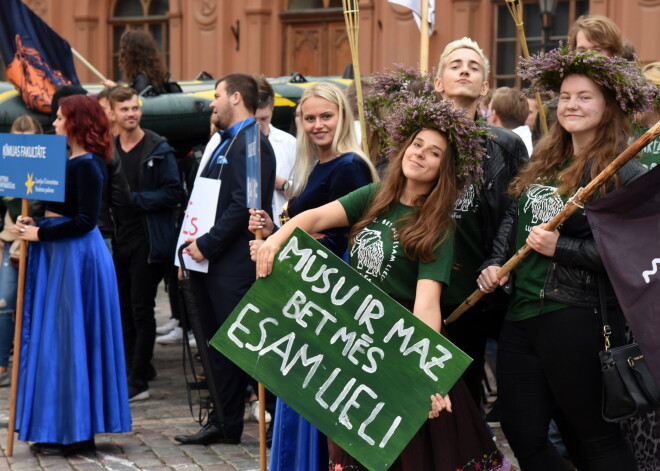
(607, 329)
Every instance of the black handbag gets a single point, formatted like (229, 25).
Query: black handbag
(628, 386)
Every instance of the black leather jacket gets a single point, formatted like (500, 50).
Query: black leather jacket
(576, 266)
(505, 154)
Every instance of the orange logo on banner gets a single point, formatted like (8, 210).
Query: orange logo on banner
(31, 75)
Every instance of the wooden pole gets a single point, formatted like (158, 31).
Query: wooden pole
(17, 337)
(262, 408)
(261, 389)
(577, 201)
(516, 10)
(424, 43)
(352, 19)
(87, 64)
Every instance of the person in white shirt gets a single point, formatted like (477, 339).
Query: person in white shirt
(283, 143)
(509, 109)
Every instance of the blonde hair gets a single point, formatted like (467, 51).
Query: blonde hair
(652, 73)
(464, 43)
(343, 142)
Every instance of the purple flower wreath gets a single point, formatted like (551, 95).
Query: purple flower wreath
(624, 78)
(403, 102)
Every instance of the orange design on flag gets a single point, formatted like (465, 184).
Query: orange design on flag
(32, 76)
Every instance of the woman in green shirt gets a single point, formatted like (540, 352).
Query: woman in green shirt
(402, 241)
(548, 348)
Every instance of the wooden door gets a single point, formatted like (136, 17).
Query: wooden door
(315, 42)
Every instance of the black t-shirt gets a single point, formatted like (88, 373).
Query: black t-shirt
(129, 220)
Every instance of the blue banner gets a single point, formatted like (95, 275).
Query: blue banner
(33, 166)
(37, 59)
(253, 166)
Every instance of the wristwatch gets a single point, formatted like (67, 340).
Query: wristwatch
(286, 185)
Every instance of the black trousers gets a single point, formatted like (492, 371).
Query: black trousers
(470, 333)
(137, 282)
(217, 295)
(550, 362)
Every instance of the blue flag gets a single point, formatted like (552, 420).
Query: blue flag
(253, 166)
(37, 59)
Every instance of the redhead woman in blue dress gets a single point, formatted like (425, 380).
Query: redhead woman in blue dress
(72, 379)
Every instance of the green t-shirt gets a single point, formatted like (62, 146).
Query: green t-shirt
(378, 256)
(469, 249)
(538, 204)
(650, 155)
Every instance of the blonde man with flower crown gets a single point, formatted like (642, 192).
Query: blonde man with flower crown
(463, 79)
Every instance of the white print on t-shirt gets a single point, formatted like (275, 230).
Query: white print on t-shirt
(652, 147)
(466, 202)
(369, 249)
(544, 202)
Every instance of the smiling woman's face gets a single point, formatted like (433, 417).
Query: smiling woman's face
(320, 119)
(581, 105)
(423, 157)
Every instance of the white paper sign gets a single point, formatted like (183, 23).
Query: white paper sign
(199, 219)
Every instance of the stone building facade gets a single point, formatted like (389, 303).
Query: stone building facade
(279, 37)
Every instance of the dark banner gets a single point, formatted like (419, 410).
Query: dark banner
(37, 59)
(626, 226)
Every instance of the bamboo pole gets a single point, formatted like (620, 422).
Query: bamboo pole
(17, 337)
(352, 19)
(424, 42)
(87, 64)
(577, 201)
(516, 10)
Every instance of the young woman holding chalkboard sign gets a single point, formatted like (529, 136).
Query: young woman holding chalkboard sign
(72, 381)
(329, 164)
(402, 241)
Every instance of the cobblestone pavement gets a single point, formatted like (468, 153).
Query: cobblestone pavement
(150, 446)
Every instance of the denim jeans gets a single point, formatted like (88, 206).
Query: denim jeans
(8, 286)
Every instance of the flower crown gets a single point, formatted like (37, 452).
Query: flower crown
(546, 71)
(403, 102)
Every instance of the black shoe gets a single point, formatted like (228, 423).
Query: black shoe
(138, 393)
(86, 446)
(210, 433)
(50, 449)
(56, 449)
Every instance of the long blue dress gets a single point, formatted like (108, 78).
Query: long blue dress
(297, 444)
(72, 380)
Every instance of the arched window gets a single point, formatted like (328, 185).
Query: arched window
(150, 15)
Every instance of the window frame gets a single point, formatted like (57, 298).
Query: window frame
(118, 24)
(510, 78)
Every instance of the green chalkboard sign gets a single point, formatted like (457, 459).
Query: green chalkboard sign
(348, 358)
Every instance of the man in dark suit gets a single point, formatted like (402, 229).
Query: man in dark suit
(225, 246)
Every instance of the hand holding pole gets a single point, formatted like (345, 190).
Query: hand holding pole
(577, 201)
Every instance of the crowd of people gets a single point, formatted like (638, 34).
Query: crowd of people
(467, 179)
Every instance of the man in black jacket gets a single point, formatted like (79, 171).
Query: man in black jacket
(462, 78)
(145, 232)
(231, 272)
